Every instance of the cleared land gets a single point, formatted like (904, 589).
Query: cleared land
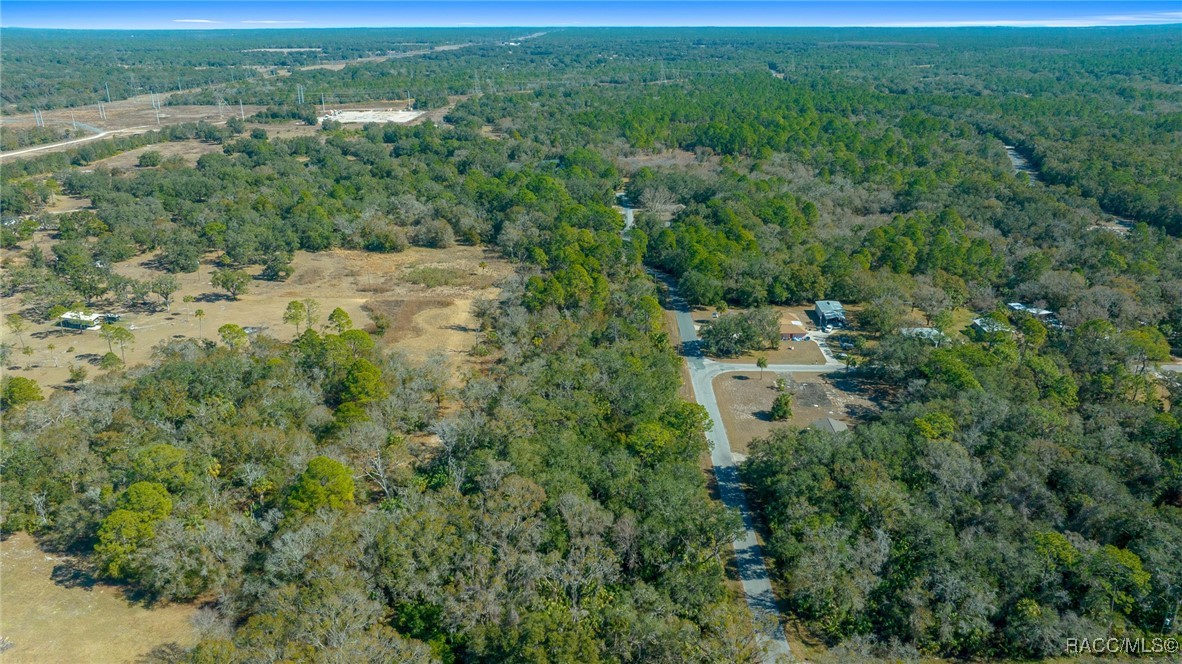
(432, 315)
(793, 319)
(341, 64)
(364, 116)
(129, 116)
(136, 116)
(51, 611)
(744, 398)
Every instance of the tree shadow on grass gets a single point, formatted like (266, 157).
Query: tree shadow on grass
(213, 297)
(763, 416)
(70, 573)
(165, 653)
(89, 358)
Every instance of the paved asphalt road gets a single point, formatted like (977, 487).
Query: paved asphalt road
(748, 553)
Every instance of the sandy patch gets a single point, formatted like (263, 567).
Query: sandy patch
(744, 397)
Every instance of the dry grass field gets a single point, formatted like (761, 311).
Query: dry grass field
(52, 614)
(744, 398)
(425, 294)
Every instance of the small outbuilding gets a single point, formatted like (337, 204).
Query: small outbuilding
(829, 425)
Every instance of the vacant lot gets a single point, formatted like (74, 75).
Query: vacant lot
(50, 612)
(130, 116)
(744, 397)
(424, 317)
(191, 151)
(188, 151)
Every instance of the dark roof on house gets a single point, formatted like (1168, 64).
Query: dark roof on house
(829, 425)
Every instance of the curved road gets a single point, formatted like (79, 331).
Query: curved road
(50, 146)
(753, 573)
(144, 128)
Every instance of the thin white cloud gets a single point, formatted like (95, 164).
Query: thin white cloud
(193, 20)
(273, 22)
(1080, 22)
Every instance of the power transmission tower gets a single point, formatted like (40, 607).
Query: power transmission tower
(241, 113)
(476, 81)
(108, 89)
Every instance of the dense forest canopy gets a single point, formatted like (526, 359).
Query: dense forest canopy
(1020, 486)
(1096, 109)
(49, 69)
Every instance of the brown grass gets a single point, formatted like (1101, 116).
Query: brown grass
(402, 315)
(77, 620)
(745, 398)
(188, 151)
(426, 318)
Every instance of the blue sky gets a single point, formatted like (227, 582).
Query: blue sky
(165, 14)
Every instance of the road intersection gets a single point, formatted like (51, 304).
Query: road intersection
(753, 572)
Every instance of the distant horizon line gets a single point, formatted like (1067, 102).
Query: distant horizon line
(187, 27)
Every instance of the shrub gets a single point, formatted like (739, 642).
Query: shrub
(18, 391)
(149, 159)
